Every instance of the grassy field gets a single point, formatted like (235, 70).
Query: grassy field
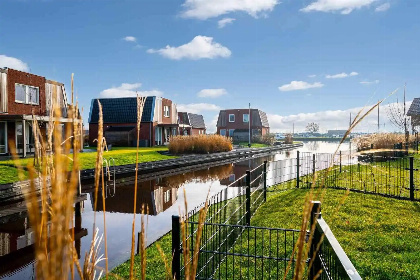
(253, 145)
(380, 235)
(87, 160)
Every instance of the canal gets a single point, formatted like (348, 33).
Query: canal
(162, 196)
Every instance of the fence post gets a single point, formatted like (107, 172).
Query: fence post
(176, 261)
(411, 178)
(265, 181)
(340, 161)
(297, 169)
(248, 197)
(313, 166)
(316, 238)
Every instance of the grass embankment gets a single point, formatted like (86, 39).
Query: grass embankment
(253, 145)
(122, 156)
(380, 235)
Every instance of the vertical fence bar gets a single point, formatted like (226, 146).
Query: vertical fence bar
(340, 161)
(176, 261)
(316, 263)
(265, 181)
(297, 169)
(248, 197)
(411, 178)
(313, 168)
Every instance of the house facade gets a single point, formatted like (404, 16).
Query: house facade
(23, 98)
(191, 124)
(236, 123)
(158, 123)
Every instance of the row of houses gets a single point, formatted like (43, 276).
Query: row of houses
(25, 97)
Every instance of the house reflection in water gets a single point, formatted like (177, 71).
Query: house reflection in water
(239, 169)
(17, 244)
(156, 195)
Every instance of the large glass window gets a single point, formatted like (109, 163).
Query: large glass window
(3, 137)
(223, 132)
(231, 131)
(231, 118)
(246, 118)
(166, 111)
(26, 94)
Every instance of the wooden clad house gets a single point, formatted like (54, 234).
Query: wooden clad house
(25, 97)
(191, 124)
(158, 122)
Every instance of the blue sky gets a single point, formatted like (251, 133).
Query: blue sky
(299, 61)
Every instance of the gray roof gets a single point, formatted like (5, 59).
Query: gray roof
(183, 118)
(263, 118)
(196, 121)
(121, 110)
(414, 108)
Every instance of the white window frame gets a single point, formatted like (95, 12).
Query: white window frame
(243, 118)
(166, 112)
(5, 138)
(27, 95)
(233, 117)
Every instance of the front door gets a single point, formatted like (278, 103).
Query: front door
(3, 137)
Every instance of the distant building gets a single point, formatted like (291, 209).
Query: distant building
(26, 97)
(336, 133)
(235, 123)
(158, 123)
(414, 113)
(191, 124)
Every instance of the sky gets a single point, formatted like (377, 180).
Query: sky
(297, 60)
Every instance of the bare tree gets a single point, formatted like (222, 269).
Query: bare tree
(397, 115)
(312, 127)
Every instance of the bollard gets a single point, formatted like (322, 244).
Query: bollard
(176, 243)
(297, 169)
(248, 197)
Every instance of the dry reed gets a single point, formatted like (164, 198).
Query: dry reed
(381, 140)
(199, 144)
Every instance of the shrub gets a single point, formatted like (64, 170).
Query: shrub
(267, 139)
(381, 140)
(288, 139)
(199, 144)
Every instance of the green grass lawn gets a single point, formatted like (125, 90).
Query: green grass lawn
(380, 235)
(253, 145)
(122, 156)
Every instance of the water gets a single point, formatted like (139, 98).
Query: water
(162, 196)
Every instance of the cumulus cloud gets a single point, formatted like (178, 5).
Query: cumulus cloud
(343, 6)
(205, 9)
(128, 90)
(382, 8)
(212, 93)
(130, 39)
(13, 63)
(311, 76)
(341, 75)
(334, 119)
(369, 82)
(196, 108)
(200, 47)
(223, 22)
(300, 85)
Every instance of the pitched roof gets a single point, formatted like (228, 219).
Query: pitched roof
(414, 108)
(263, 118)
(121, 110)
(183, 118)
(196, 121)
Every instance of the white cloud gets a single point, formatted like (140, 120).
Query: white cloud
(212, 93)
(204, 9)
(341, 75)
(13, 63)
(128, 90)
(200, 47)
(196, 108)
(343, 6)
(370, 82)
(211, 128)
(311, 76)
(300, 85)
(223, 22)
(130, 39)
(382, 8)
(334, 119)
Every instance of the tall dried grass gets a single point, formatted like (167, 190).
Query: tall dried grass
(199, 144)
(381, 140)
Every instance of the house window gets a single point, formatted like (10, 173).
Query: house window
(26, 94)
(231, 118)
(231, 177)
(167, 196)
(3, 137)
(223, 132)
(231, 131)
(166, 111)
(246, 118)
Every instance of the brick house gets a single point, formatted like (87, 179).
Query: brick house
(158, 122)
(235, 123)
(23, 98)
(191, 124)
